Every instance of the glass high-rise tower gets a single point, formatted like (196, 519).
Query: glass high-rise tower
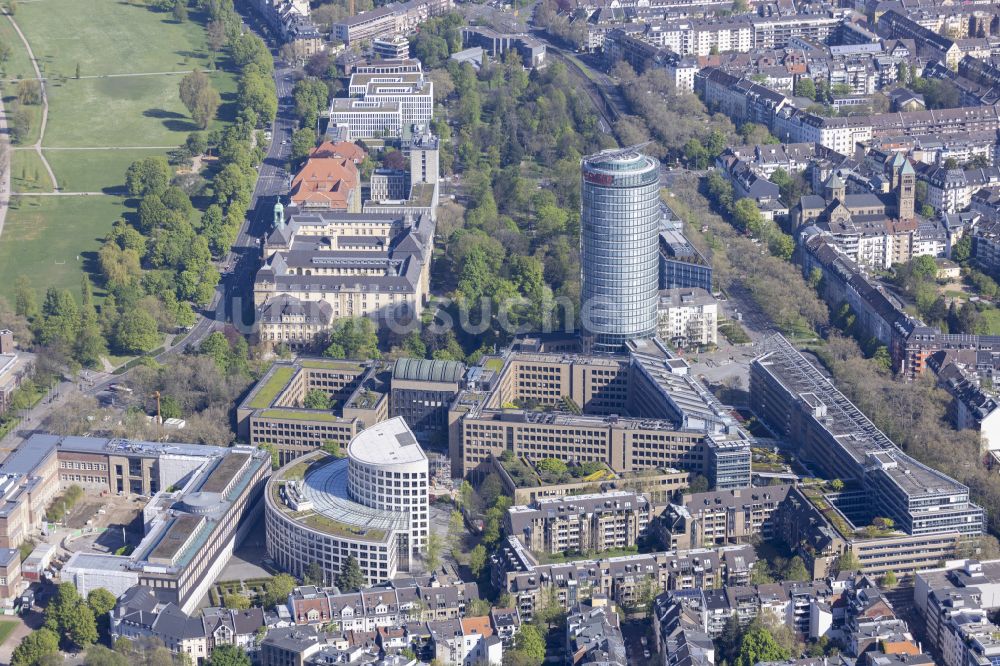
(619, 257)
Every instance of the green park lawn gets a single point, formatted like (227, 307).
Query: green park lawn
(43, 237)
(108, 37)
(27, 173)
(18, 65)
(93, 170)
(6, 629)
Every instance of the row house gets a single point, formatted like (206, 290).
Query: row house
(407, 600)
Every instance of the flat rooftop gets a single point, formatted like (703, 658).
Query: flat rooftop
(176, 537)
(324, 484)
(224, 473)
(388, 442)
(847, 424)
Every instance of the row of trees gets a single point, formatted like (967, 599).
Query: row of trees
(676, 122)
(775, 285)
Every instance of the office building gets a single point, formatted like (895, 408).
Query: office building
(204, 501)
(682, 266)
(391, 48)
(323, 266)
(371, 505)
(400, 18)
(359, 394)
(619, 257)
(640, 411)
(799, 403)
(15, 366)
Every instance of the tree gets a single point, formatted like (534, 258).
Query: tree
(60, 318)
(332, 447)
(313, 575)
(699, 484)
(477, 608)
(456, 532)
(477, 560)
(216, 32)
(150, 175)
(759, 645)
(29, 91)
(529, 640)
(354, 339)
(101, 601)
(747, 217)
(303, 141)
(180, 10)
(316, 399)
(81, 625)
(25, 299)
(805, 88)
(837, 485)
(19, 123)
(889, 579)
(432, 552)
(206, 104)
(98, 655)
(848, 561)
(61, 606)
(795, 570)
(350, 578)
(760, 573)
(278, 589)
(34, 647)
(136, 332)
(235, 601)
(229, 655)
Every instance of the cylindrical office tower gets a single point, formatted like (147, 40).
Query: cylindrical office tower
(619, 256)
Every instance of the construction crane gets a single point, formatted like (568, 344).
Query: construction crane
(350, 7)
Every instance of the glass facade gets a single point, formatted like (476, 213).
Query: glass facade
(619, 247)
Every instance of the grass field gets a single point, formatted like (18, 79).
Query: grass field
(93, 170)
(6, 628)
(44, 236)
(27, 173)
(18, 65)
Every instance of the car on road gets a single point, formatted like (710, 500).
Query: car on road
(284, 141)
(645, 653)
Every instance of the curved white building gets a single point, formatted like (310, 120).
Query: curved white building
(372, 505)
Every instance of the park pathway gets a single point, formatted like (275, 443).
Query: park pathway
(45, 100)
(113, 76)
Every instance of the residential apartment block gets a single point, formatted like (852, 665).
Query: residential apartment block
(593, 522)
(723, 517)
(619, 579)
(688, 317)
